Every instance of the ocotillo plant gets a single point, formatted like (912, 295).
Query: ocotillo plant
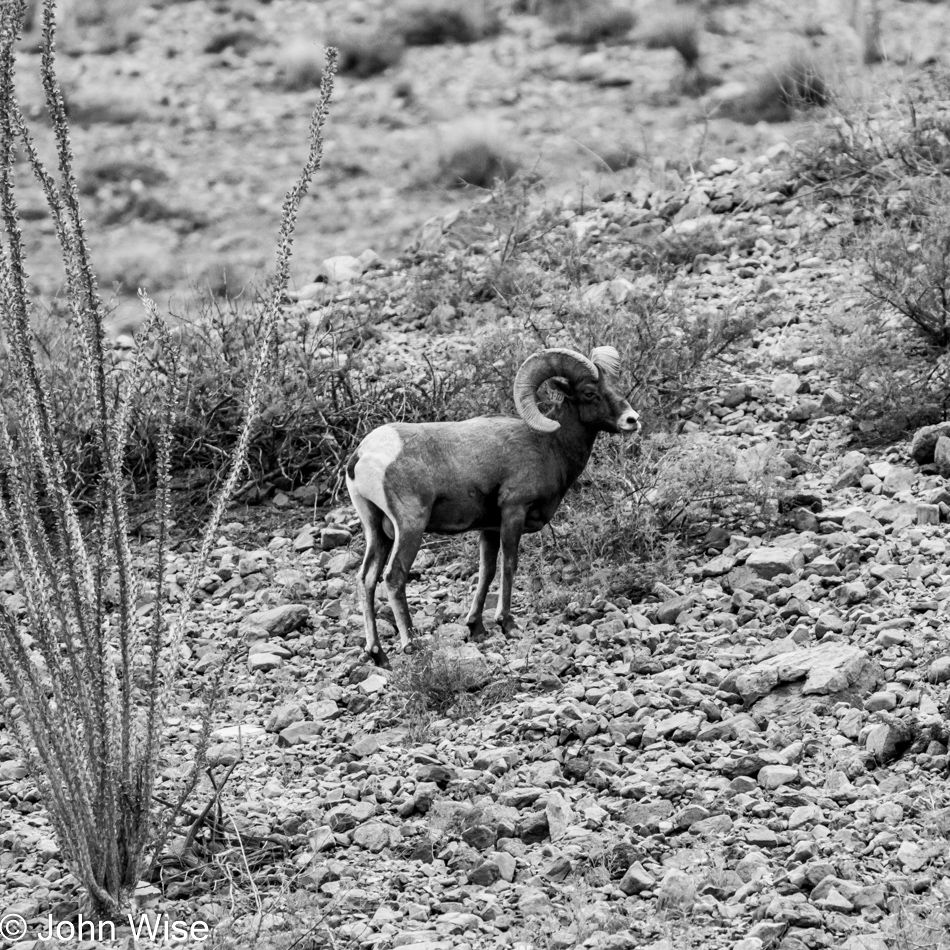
(89, 685)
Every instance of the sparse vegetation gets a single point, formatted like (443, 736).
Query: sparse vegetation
(113, 105)
(474, 153)
(910, 268)
(778, 94)
(619, 157)
(445, 680)
(893, 384)
(433, 22)
(366, 51)
(679, 30)
(106, 170)
(300, 66)
(241, 39)
(867, 150)
(88, 678)
(587, 22)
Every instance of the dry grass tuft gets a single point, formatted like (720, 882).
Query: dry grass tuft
(475, 153)
(798, 84)
(679, 30)
(434, 22)
(588, 23)
(366, 51)
(301, 66)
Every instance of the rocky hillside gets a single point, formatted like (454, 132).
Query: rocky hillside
(189, 120)
(749, 754)
(754, 756)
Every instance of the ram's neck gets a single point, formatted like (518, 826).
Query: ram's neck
(575, 441)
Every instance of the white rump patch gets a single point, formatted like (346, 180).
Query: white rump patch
(376, 453)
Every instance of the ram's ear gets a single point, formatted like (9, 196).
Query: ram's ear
(606, 358)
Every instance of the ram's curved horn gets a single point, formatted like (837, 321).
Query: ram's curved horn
(607, 359)
(538, 369)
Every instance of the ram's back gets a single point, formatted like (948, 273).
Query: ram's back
(455, 475)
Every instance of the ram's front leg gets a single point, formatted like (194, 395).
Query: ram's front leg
(487, 561)
(512, 527)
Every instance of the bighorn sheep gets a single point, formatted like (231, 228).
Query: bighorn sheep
(494, 474)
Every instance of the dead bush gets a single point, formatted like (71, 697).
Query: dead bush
(241, 39)
(910, 269)
(474, 153)
(366, 51)
(588, 23)
(108, 170)
(867, 153)
(893, 382)
(300, 66)
(780, 93)
(678, 30)
(434, 22)
(445, 680)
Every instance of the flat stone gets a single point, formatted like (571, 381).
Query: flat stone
(374, 836)
(264, 662)
(331, 538)
(827, 669)
(300, 732)
(769, 562)
(636, 880)
(347, 816)
(669, 610)
(897, 479)
(772, 776)
(275, 622)
(239, 732)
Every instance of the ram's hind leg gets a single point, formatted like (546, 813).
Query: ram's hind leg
(378, 547)
(405, 548)
(488, 544)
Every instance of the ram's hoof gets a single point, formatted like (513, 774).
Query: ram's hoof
(477, 632)
(509, 628)
(376, 656)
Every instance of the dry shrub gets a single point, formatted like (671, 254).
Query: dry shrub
(106, 170)
(910, 266)
(112, 104)
(366, 51)
(780, 93)
(619, 156)
(893, 383)
(137, 260)
(241, 39)
(476, 153)
(224, 279)
(433, 22)
(679, 30)
(96, 26)
(444, 680)
(645, 504)
(587, 23)
(300, 66)
(682, 248)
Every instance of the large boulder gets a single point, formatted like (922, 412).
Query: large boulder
(924, 442)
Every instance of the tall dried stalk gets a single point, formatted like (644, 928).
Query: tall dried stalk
(92, 684)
